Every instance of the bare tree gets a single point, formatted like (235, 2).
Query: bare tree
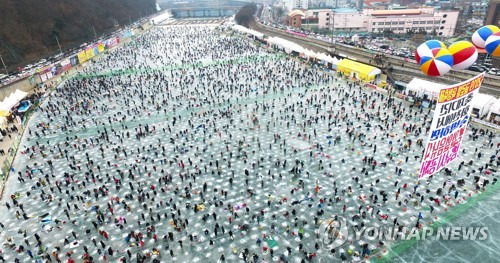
(246, 14)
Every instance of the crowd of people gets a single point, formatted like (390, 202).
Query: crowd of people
(239, 153)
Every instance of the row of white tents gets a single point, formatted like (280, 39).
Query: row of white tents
(245, 30)
(482, 104)
(288, 46)
(156, 20)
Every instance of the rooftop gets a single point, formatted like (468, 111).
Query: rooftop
(345, 10)
(396, 12)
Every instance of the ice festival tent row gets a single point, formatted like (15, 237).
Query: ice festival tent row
(481, 104)
(328, 59)
(245, 30)
(288, 46)
(424, 89)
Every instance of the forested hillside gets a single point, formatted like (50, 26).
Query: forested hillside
(28, 27)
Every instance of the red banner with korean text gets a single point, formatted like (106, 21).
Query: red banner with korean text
(451, 116)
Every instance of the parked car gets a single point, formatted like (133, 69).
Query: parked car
(493, 71)
(475, 68)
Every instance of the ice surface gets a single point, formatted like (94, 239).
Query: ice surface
(186, 107)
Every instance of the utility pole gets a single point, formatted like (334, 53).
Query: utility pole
(59, 45)
(95, 35)
(4, 67)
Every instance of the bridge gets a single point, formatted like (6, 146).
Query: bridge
(194, 9)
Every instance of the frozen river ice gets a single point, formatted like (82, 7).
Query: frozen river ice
(203, 145)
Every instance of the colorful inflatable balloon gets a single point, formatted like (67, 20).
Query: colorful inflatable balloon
(481, 35)
(426, 48)
(492, 45)
(464, 54)
(436, 63)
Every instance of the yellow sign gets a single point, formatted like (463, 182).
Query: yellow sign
(82, 57)
(100, 47)
(90, 53)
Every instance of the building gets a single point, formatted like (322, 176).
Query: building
(360, 4)
(479, 9)
(336, 3)
(340, 19)
(409, 2)
(442, 22)
(493, 13)
(423, 19)
(301, 4)
(295, 4)
(294, 18)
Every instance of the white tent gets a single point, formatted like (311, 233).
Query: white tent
(355, 38)
(375, 72)
(334, 60)
(322, 57)
(494, 115)
(288, 46)
(12, 100)
(245, 30)
(160, 18)
(420, 88)
(481, 104)
(325, 59)
(309, 53)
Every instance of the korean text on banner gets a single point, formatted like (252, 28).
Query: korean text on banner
(450, 120)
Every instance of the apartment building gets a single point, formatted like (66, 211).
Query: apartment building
(398, 21)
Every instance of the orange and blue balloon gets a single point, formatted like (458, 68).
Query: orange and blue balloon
(464, 54)
(492, 45)
(434, 58)
(426, 48)
(481, 35)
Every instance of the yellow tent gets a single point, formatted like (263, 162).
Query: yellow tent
(4, 113)
(358, 70)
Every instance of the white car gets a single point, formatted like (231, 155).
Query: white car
(493, 71)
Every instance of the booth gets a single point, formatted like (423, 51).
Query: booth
(481, 104)
(357, 70)
(423, 89)
(494, 115)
